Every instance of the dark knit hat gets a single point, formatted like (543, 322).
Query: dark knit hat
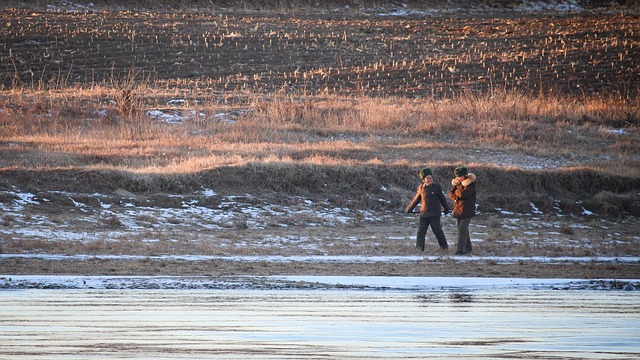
(424, 173)
(460, 171)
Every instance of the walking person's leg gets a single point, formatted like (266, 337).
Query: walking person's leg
(436, 227)
(469, 247)
(423, 225)
(464, 240)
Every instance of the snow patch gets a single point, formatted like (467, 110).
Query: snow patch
(537, 6)
(344, 259)
(175, 117)
(308, 283)
(617, 131)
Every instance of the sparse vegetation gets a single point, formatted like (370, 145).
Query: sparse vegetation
(7, 220)
(339, 106)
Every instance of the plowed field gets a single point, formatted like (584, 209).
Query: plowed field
(425, 54)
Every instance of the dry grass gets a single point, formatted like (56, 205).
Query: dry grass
(360, 100)
(296, 148)
(42, 134)
(540, 149)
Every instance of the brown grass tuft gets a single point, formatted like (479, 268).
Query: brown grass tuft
(613, 204)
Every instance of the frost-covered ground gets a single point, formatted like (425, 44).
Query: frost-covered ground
(280, 229)
(308, 283)
(296, 234)
(395, 9)
(207, 227)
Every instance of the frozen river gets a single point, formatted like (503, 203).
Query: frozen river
(323, 318)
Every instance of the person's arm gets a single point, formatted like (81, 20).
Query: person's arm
(443, 202)
(415, 201)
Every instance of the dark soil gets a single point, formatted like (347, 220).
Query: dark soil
(352, 53)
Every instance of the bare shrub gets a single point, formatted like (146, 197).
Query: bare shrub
(7, 220)
(97, 246)
(147, 218)
(240, 224)
(125, 101)
(112, 222)
(611, 204)
(174, 220)
(567, 230)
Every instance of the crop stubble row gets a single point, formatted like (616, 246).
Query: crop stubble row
(380, 56)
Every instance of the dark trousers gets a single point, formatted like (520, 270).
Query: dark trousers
(423, 225)
(464, 241)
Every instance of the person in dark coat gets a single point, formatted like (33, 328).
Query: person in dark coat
(463, 194)
(432, 202)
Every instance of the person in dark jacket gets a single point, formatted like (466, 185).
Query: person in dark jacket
(463, 194)
(432, 202)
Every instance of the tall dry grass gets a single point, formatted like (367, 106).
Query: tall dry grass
(349, 147)
(92, 128)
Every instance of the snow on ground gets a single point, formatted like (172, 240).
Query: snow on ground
(524, 6)
(348, 259)
(175, 117)
(556, 6)
(401, 10)
(426, 283)
(296, 231)
(228, 210)
(306, 283)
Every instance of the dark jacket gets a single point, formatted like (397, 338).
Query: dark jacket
(463, 195)
(431, 200)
